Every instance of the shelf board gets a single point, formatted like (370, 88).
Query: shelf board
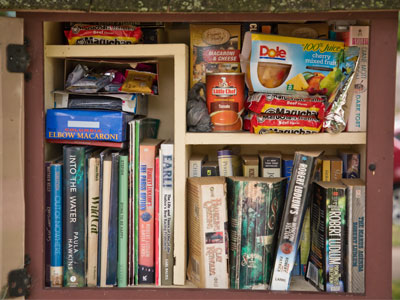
(111, 51)
(345, 138)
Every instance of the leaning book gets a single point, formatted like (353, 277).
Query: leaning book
(292, 219)
(255, 210)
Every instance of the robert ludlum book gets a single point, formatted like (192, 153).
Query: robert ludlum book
(207, 232)
(74, 216)
(292, 219)
(255, 210)
(326, 268)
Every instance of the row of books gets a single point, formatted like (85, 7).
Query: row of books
(248, 230)
(273, 164)
(109, 213)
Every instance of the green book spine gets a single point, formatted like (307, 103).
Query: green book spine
(74, 217)
(123, 222)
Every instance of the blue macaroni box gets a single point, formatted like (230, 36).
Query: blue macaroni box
(91, 125)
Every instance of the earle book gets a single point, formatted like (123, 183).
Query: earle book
(326, 268)
(74, 179)
(292, 219)
(167, 212)
(148, 150)
(208, 233)
(355, 255)
(56, 262)
(93, 218)
(255, 211)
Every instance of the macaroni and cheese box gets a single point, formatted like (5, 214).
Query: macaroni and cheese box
(89, 125)
(280, 64)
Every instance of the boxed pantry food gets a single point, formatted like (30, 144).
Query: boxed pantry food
(88, 76)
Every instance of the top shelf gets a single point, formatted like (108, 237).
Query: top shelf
(345, 138)
(111, 51)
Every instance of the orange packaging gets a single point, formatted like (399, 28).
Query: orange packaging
(225, 100)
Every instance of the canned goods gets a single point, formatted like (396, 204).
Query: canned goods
(225, 100)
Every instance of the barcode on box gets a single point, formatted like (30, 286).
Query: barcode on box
(312, 273)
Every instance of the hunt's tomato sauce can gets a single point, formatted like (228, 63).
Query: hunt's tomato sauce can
(225, 100)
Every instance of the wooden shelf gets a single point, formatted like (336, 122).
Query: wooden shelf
(346, 138)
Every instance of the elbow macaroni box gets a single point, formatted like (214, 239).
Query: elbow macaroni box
(280, 64)
(89, 125)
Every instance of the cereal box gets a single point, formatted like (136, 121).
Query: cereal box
(280, 64)
(213, 49)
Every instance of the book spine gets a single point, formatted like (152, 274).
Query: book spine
(195, 168)
(288, 242)
(136, 198)
(271, 166)
(167, 214)
(336, 221)
(123, 222)
(112, 251)
(214, 238)
(131, 206)
(336, 170)
(326, 170)
(157, 235)
(74, 217)
(106, 191)
(56, 267)
(225, 163)
(359, 36)
(235, 231)
(316, 261)
(305, 242)
(358, 239)
(146, 215)
(47, 224)
(93, 219)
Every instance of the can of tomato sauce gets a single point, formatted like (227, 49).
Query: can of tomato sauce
(225, 100)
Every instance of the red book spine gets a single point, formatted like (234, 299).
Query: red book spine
(157, 221)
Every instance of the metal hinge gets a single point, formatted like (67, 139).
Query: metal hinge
(19, 281)
(18, 59)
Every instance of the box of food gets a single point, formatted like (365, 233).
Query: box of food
(280, 64)
(213, 49)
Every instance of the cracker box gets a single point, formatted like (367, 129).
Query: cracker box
(280, 64)
(213, 49)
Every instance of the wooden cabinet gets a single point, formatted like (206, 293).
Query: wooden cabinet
(375, 145)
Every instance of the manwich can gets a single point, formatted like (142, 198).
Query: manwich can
(225, 100)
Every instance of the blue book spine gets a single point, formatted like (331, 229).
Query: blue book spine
(112, 248)
(74, 232)
(287, 167)
(56, 263)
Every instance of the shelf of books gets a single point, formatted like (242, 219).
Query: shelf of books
(170, 181)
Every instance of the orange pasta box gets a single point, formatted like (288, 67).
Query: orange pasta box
(148, 151)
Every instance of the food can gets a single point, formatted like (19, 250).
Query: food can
(225, 100)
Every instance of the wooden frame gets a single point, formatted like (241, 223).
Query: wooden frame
(379, 150)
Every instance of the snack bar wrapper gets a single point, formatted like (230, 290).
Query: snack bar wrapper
(337, 114)
(281, 64)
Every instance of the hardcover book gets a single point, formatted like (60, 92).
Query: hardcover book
(157, 225)
(326, 269)
(167, 212)
(208, 233)
(74, 254)
(90, 125)
(225, 162)
(250, 165)
(355, 241)
(196, 162)
(148, 150)
(351, 164)
(112, 245)
(93, 219)
(292, 219)
(123, 222)
(56, 266)
(255, 211)
(210, 168)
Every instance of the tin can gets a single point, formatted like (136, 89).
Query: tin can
(225, 100)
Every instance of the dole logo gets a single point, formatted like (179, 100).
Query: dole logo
(271, 53)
